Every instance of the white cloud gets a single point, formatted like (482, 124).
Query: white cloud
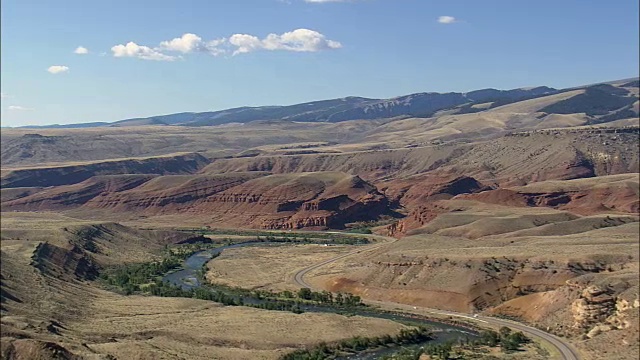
(81, 50)
(244, 43)
(57, 69)
(186, 43)
(324, 1)
(299, 40)
(17, 108)
(446, 19)
(213, 47)
(191, 42)
(4, 95)
(142, 52)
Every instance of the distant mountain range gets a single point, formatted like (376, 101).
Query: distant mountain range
(600, 99)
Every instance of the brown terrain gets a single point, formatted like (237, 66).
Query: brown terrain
(527, 210)
(53, 309)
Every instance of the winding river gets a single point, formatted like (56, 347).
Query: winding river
(187, 278)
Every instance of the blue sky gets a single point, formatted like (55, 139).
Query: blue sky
(316, 50)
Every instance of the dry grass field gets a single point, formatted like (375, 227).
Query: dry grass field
(165, 328)
(270, 267)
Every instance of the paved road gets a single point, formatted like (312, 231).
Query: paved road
(567, 352)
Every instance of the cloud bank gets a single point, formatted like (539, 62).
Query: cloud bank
(299, 40)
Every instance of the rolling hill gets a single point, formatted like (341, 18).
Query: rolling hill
(605, 102)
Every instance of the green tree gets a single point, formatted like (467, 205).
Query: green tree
(504, 331)
(508, 344)
(489, 337)
(304, 293)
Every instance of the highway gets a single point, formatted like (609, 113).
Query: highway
(564, 349)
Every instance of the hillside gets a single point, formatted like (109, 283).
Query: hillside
(515, 159)
(50, 147)
(292, 201)
(75, 173)
(583, 196)
(331, 126)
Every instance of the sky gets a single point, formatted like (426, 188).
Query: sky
(72, 61)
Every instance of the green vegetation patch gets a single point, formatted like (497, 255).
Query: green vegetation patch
(288, 237)
(506, 339)
(358, 344)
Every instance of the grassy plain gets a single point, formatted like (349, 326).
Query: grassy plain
(269, 267)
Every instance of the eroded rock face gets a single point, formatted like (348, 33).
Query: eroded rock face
(594, 305)
(294, 202)
(423, 195)
(57, 261)
(262, 200)
(480, 284)
(417, 218)
(613, 193)
(596, 311)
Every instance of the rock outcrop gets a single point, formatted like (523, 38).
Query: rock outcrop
(595, 305)
(57, 261)
(597, 311)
